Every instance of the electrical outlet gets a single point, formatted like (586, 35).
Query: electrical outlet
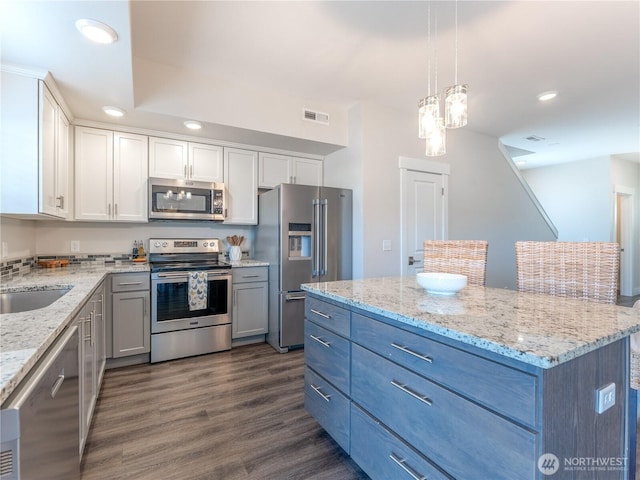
(605, 398)
(386, 245)
(75, 245)
(5, 249)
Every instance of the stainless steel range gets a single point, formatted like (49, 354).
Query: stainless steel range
(190, 298)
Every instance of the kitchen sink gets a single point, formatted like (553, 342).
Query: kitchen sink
(15, 302)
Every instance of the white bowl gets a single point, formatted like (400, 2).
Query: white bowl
(441, 283)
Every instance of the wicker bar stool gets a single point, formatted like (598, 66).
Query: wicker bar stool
(585, 270)
(464, 257)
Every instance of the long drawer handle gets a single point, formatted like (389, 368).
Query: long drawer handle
(250, 276)
(423, 398)
(404, 349)
(130, 283)
(324, 315)
(402, 462)
(57, 385)
(319, 340)
(325, 397)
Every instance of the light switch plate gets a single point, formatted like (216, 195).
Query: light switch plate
(605, 397)
(75, 245)
(386, 245)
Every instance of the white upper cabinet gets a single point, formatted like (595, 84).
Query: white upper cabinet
(275, 169)
(185, 160)
(34, 167)
(241, 182)
(111, 176)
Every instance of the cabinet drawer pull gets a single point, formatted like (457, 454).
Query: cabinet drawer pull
(325, 397)
(57, 385)
(250, 276)
(324, 315)
(423, 398)
(404, 349)
(130, 283)
(320, 341)
(402, 462)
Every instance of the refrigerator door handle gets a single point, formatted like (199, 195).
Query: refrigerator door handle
(315, 261)
(325, 238)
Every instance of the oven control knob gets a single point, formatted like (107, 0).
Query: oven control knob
(157, 244)
(205, 244)
(164, 244)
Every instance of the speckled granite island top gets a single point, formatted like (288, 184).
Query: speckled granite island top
(25, 336)
(540, 330)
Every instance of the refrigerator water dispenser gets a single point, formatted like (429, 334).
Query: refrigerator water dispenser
(299, 240)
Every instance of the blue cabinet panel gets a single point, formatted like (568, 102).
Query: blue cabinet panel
(383, 456)
(328, 354)
(504, 389)
(328, 315)
(328, 406)
(462, 437)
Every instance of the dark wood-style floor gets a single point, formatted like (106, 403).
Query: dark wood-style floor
(226, 416)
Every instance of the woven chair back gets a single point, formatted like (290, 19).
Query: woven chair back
(464, 257)
(585, 270)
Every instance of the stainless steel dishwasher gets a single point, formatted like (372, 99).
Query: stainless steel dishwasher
(39, 430)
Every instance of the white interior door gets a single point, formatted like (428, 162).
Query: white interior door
(423, 215)
(623, 227)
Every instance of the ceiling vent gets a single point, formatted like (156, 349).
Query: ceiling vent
(313, 116)
(534, 138)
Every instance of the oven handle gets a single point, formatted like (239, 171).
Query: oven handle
(186, 274)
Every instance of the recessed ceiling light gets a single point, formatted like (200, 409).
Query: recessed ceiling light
(96, 31)
(113, 111)
(545, 96)
(193, 125)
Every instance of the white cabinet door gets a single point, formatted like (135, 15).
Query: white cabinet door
(241, 182)
(167, 158)
(94, 174)
(47, 140)
(307, 171)
(205, 163)
(63, 166)
(130, 154)
(273, 170)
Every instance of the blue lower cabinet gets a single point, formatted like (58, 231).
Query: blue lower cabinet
(328, 406)
(460, 436)
(383, 456)
(328, 354)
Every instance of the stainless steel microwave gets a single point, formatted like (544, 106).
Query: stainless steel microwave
(186, 200)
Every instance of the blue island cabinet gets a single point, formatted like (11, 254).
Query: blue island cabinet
(407, 403)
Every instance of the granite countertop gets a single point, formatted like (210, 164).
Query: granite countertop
(26, 336)
(540, 330)
(247, 262)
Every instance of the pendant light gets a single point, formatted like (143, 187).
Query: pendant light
(429, 107)
(436, 139)
(455, 101)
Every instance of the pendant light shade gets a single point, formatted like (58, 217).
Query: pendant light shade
(455, 106)
(428, 115)
(436, 140)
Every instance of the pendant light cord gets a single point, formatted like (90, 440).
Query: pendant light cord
(455, 75)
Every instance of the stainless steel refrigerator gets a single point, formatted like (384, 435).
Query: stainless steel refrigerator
(305, 233)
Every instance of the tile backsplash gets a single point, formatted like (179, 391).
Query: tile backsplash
(24, 265)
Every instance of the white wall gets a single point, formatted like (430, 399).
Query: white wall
(18, 237)
(26, 238)
(486, 200)
(577, 198)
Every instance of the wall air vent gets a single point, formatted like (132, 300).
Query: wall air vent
(313, 116)
(534, 138)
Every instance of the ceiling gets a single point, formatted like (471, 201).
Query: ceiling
(342, 53)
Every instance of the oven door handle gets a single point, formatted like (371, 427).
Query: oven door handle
(210, 274)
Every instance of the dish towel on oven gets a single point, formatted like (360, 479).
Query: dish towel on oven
(197, 290)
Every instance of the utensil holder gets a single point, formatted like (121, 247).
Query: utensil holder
(235, 253)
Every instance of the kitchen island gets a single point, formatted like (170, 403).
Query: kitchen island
(489, 383)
